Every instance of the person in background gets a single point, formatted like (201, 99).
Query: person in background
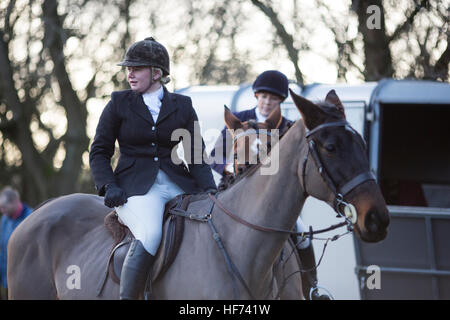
(13, 211)
(270, 89)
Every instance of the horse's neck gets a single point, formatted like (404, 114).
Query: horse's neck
(267, 200)
(279, 192)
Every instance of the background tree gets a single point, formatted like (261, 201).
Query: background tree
(416, 43)
(418, 29)
(58, 62)
(43, 112)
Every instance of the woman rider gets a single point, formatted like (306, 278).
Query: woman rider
(148, 174)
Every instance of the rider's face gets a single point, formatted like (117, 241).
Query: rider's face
(139, 78)
(267, 102)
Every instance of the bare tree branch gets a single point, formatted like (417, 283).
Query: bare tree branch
(406, 26)
(8, 25)
(441, 68)
(76, 137)
(286, 38)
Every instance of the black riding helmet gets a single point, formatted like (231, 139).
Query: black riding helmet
(148, 53)
(272, 81)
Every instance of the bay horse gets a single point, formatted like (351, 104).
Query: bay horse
(327, 162)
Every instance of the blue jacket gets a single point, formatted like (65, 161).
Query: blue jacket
(224, 141)
(6, 229)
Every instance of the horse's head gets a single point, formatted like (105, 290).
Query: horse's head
(250, 138)
(336, 169)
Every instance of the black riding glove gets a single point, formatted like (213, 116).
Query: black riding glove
(115, 196)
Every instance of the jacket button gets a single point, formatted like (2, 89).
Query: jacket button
(153, 128)
(155, 158)
(153, 144)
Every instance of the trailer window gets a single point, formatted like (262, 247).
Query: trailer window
(415, 155)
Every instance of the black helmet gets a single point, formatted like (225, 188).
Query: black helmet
(147, 52)
(272, 81)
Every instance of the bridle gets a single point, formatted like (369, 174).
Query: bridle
(348, 212)
(339, 192)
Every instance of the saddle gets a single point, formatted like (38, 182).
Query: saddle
(173, 230)
(172, 236)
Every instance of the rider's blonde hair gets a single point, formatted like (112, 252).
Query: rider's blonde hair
(164, 78)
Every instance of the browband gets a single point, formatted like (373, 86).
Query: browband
(325, 125)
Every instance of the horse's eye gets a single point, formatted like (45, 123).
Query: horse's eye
(330, 147)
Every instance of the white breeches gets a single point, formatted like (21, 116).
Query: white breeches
(143, 215)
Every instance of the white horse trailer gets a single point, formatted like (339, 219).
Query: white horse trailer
(374, 110)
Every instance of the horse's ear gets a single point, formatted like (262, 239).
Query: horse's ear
(312, 115)
(231, 121)
(333, 98)
(274, 119)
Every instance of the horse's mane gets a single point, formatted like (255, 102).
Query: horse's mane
(230, 180)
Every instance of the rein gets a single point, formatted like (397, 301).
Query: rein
(349, 212)
(271, 229)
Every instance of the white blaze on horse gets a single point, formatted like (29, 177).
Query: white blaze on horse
(327, 162)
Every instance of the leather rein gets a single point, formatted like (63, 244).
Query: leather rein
(349, 213)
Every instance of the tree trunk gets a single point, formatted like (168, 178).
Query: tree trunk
(17, 130)
(378, 59)
(286, 38)
(75, 139)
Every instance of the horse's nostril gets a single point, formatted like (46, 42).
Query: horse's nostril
(372, 222)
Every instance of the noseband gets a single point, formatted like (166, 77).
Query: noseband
(339, 192)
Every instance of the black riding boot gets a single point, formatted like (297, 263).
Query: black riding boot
(309, 277)
(136, 268)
